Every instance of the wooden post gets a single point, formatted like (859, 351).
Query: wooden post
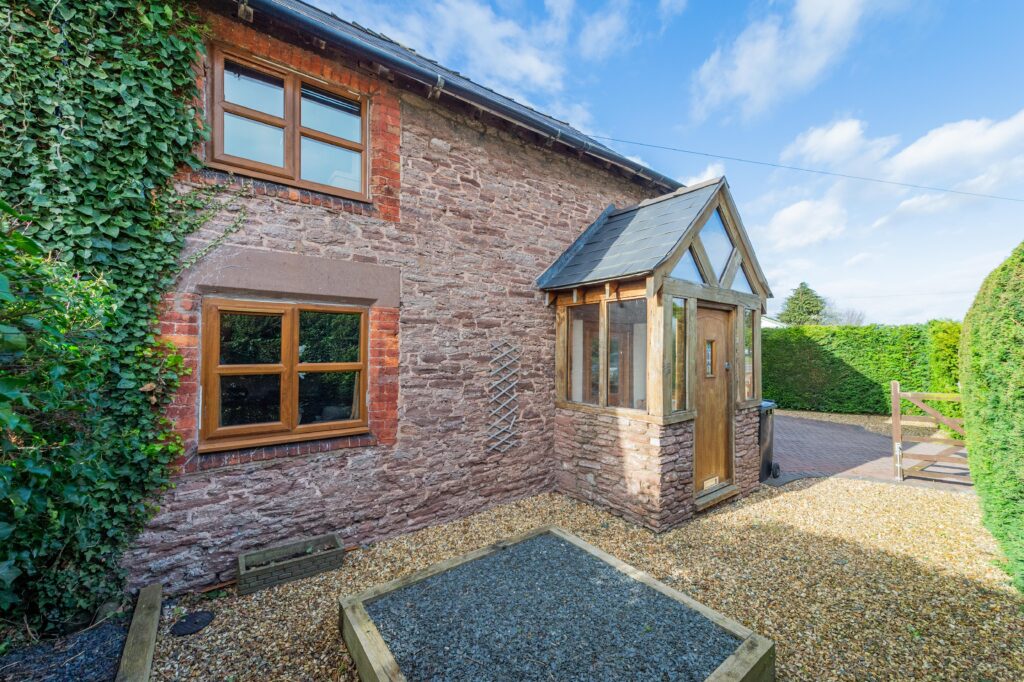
(897, 432)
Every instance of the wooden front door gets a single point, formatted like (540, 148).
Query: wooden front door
(713, 456)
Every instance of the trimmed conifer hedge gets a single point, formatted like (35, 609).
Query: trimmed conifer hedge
(848, 369)
(992, 362)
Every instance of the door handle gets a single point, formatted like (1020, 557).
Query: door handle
(727, 367)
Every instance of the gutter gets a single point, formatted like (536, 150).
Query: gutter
(322, 25)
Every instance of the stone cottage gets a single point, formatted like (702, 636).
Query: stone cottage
(422, 299)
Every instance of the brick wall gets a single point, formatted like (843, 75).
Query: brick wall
(479, 214)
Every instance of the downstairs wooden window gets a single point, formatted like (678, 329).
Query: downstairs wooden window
(281, 372)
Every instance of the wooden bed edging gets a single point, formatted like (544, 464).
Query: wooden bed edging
(752, 661)
(137, 655)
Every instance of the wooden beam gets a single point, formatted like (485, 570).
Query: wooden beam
(735, 258)
(703, 262)
(655, 370)
(561, 353)
(676, 287)
(137, 656)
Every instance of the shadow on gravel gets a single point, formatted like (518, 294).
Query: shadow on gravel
(91, 655)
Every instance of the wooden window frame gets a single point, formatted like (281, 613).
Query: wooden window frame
(213, 437)
(564, 352)
(289, 174)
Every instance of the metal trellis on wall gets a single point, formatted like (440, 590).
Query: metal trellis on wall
(504, 378)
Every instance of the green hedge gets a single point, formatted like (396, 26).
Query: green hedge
(848, 369)
(992, 362)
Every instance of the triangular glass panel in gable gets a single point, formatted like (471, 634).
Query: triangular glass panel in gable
(741, 283)
(686, 269)
(716, 243)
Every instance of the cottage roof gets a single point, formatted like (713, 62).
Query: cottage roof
(353, 38)
(634, 241)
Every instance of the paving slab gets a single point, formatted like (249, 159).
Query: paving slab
(812, 447)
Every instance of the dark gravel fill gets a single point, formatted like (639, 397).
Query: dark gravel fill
(88, 656)
(544, 609)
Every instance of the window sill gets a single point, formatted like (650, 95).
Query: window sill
(277, 439)
(627, 413)
(297, 185)
(205, 460)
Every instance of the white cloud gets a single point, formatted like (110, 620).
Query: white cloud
(805, 222)
(497, 51)
(605, 30)
(902, 254)
(838, 143)
(669, 9)
(982, 152)
(775, 56)
(712, 170)
(639, 159)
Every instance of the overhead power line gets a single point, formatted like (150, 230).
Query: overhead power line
(817, 171)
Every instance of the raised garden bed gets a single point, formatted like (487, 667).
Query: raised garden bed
(275, 565)
(544, 605)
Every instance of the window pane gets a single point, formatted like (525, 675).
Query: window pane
(716, 242)
(709, 358)
(584, 354)
(748, 353)
(677, 349)
(331, 165)
(627, 353)
(686, 269)
(250, 339)
(253, 89)
(250, 139)
(250, 399)
(331, 114)
(741, 283)
(328, 337)
(328, 396)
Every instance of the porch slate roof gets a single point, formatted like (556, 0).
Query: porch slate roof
(631, 241)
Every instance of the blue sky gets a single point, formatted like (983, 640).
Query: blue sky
(927, 92)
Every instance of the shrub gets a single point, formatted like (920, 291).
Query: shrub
(97, 114)
(848, 369)
(992, 375)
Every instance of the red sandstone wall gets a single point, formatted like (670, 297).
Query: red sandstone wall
(476, 216)
(641, 471)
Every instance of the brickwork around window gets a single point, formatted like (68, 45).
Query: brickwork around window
(180, 321)
(385, 125)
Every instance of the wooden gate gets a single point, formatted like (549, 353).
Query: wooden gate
(953, 453)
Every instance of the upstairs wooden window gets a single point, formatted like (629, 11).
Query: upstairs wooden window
(281, 372)
(275, 124)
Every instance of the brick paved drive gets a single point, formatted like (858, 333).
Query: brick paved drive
(820, 448)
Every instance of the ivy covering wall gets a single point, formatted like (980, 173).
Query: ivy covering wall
(96, 115)
(848, 369)
(992, 358)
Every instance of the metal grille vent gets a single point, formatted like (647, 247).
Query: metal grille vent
(504, 378)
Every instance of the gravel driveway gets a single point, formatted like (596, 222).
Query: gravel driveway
(852, 579)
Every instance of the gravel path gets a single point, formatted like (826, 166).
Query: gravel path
(852, 579)
(544, 609)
